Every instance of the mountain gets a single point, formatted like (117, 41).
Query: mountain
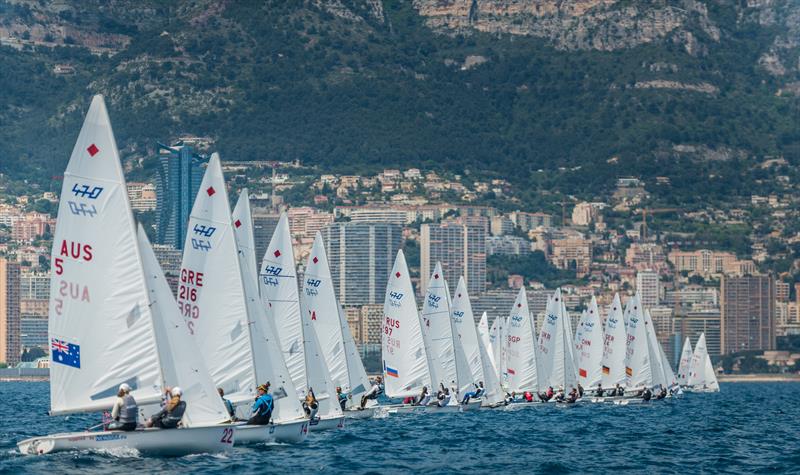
(554, 96)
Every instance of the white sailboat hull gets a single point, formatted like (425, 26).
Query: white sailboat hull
(292, 432)
(165, 442)
(473, 405)
(326, 423)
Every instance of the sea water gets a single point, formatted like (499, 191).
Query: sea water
(746, 428)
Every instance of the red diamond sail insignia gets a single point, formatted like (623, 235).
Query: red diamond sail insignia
(237, 223)
(93, 150)
(277, 253)
(211, 190)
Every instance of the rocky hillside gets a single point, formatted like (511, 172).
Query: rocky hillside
(491, 87)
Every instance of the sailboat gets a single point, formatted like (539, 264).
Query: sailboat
(320, 308)
(658, 378)
(289, 422)
(686, 359)
(614, 348)
(638, 369)
(521, 365)
(556, 360)
(590, 348)
(464, 330)
(113, 319)
(405, 362)
(296, 332)
(224, 317)
(465, 382)
(484, 335)
(318, 303)
(702, 378)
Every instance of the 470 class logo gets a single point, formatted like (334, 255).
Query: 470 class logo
(395, 298)
(203, 230)
(84, 191)
(313, 282)
(272, 270)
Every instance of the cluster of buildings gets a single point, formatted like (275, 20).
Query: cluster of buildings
(435, 219)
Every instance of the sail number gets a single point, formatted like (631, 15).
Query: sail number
(190, 281)
(227, 436)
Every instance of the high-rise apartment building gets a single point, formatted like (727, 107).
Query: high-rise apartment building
(647, 286)
(361, 256)
(179, 177)
(264, 224)
(747, 313)
(460, 248)
(9, 312)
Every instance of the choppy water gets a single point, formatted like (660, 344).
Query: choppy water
(745, 428)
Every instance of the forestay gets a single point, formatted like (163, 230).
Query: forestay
(278, 283)
(405, 363)
(521, 350)
(614, 346)
(100, 330)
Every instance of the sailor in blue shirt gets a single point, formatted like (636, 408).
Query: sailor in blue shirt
(262, 408)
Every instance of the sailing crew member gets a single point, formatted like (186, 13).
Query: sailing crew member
(341, 396)
(125, 411)
(618, 391)
(508, 399)
(560, 396)
(528, 396)
(471, 394)
(444, 397)
(599, 392)
(373, 393)
(662, 394)
(172, 412)
(573, 396)
(311, 405)
(228, 404)
(424, 397)
(580, 390)
(647, 394)
(548, 395)
(262, 408)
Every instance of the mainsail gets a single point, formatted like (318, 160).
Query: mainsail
(638, 369)
(100, 329)
(521, 348)
(613, 366)
(464, 324)
(484, 335)
(556, 362)
(658, 375)
(590, 357)
(405, 363)
(436, 328)
(278, 283)
(685, 362)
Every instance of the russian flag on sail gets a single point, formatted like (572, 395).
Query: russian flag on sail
(65, 353)
(392, 372)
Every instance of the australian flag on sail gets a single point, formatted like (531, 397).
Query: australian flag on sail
(65, 353)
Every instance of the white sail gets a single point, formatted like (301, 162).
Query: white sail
(436, 327)
(496, 343)
(464, 380)
(484, 335)
(658, 375)
(577, 342)
(210, 290)
(570, 366)
(269, 364)
(686, 359)
(493, 391)
(357, 375)
(701, 371)
(590, 356)
(100, 329)
(405, 363)
(464, 323)
(556, 363)
(243, 229)
(175, 346)
(614, 346)
(318, 303)
(669, 375)
(637, 359)
(710, 379)
(278, 283)
(521, 350)
(317, 376)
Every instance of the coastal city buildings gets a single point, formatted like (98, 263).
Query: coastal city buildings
(460, 248)
(747, 312)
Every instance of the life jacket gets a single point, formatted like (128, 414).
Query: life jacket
(129, 412)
